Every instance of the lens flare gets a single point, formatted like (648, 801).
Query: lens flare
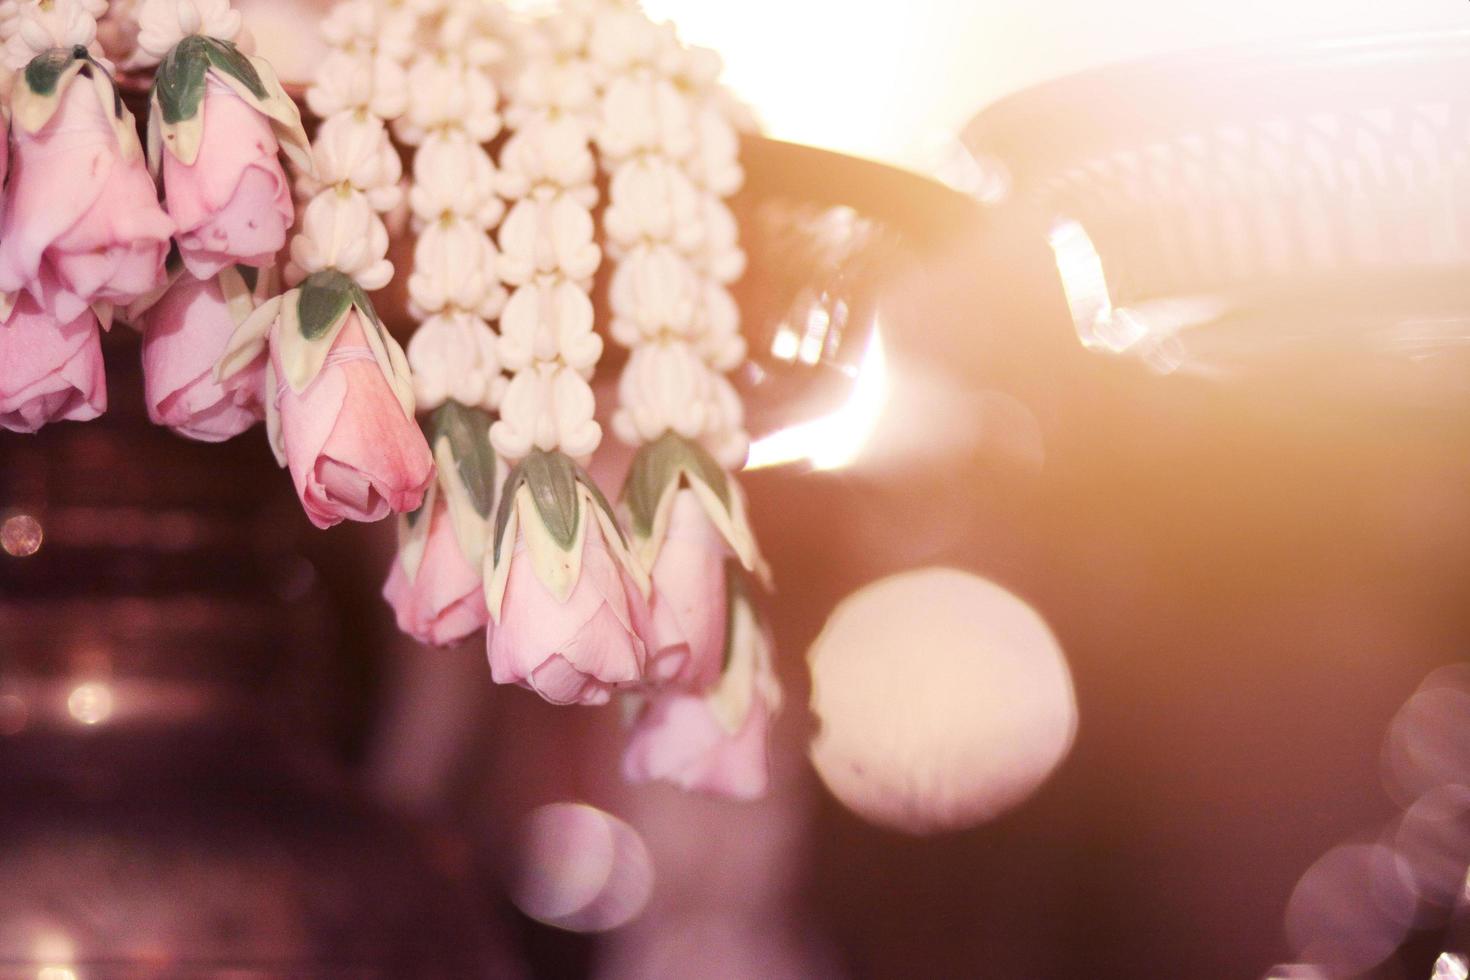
(836, 440)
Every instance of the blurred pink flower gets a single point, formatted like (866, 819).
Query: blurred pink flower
(233, 204)
(49, 372)
(81, 221)
(714, 740)
(444, 601)
(184, 334)
(679, 739)
(353, 452)
(688, 638)
(573, 652)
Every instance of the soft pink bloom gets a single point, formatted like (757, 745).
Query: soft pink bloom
(80, 223)
(184, 334)
(679, 740)
(233, 205)
(49, 372)
(574, 652)
(689, 598)
(445, 601)
(352, 451)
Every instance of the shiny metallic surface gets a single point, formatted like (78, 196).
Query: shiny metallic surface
(1272, 206)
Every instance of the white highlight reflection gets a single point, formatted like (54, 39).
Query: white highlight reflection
(90, 703)
(581, 869)
(835, 440)
(1149, 330)
(1450, 966)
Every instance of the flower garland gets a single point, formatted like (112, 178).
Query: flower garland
(435, 584)
(82, 231)
(338, 389)
(672, 158)
(575, 606)
(567, 599)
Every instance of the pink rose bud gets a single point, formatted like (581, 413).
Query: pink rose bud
(233, 205)
(689, 598)
(81, 222)
(353, 452)
(678, 739)
(713, 741)
(572, 651)
(184, 334)
(49, 372)
(443, 599)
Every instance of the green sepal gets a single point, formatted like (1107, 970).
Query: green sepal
(175, 119)
(179, 83)
(45, 80)
(311, 317)
(322, 303)
(413, 534)
(659, 471)
(661, 464)
(552, 479)
(46, 69)
(747, 673)
(467, 431)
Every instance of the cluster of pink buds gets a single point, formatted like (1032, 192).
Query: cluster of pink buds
(478, 435)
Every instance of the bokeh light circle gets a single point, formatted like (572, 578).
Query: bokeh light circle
(1352, 908)
(1433, 835)
(581, 869)
(943, 700)
(21, 535)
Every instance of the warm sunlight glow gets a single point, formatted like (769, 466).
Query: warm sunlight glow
(832, 441)
(897, 81)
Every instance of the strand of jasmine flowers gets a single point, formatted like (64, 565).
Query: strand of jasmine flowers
(30, 28)
(352, 445)
(454, 288)
(671, 154)
(435, 582)
(714, 169)
(547, 253)
(162, 24)
(360, 85)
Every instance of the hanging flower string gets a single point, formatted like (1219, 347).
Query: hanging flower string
(338, 391)
(567, 598)
(671, 154)
(217, 123)
(82, 232)
(499, 525)
(435, 584)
